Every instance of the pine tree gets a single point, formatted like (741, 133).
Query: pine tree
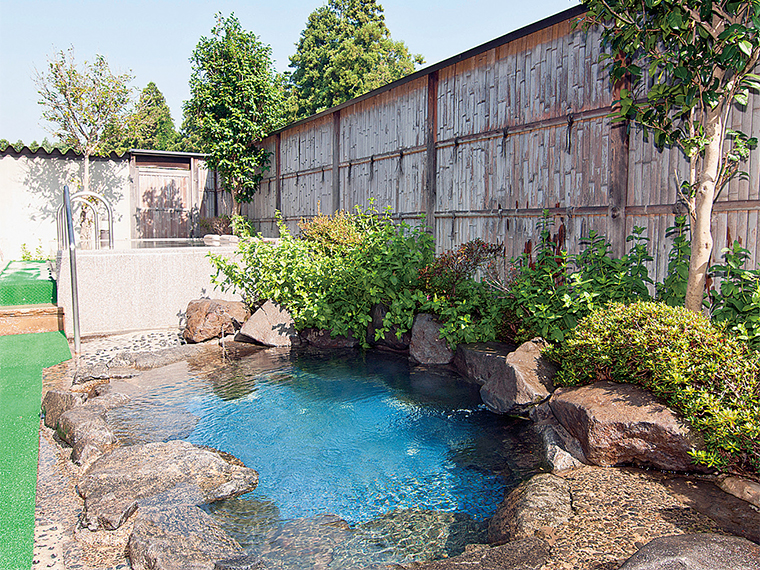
(345, 51)
(151, 126)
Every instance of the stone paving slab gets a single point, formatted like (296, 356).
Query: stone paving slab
(100, 350)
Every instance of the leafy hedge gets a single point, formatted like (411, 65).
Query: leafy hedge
(736, 302)
(342, 265)
(712, 378)
(333, 278)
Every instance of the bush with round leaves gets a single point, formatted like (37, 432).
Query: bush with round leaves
(711, 378)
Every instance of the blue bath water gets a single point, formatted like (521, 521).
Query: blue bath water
(362, 461)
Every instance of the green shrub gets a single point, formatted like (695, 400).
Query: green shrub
(38, 255)
(707, 375)
(447, 288)
(672, 290)
(734, 299)
(333, 234)
(325, 281)
(453, 268)
(736, 303)
(473, 315)
(549, 295)
(343, 264)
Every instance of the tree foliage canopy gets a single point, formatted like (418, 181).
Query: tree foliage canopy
(83, 103)
(688, 61)
(87, 107)
(345, 51)
(234, 103)
(151, 126)
(699, 55)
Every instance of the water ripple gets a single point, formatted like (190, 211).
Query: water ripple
(378, 448)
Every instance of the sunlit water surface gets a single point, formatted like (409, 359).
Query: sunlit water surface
(362, 461)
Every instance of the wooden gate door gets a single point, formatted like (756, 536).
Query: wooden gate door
(164, 203)
(165, 195)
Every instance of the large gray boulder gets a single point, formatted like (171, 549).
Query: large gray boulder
(178, 538)
(512, 380)
(527, 380)
(213, 318)
(562, 451)
(390, 339)
(426, 345)
(624, 423)
(696, 552)
(57, 402)
(525, 554)
(153, 474)
(323, 338)
(542, 501)
(482, 361)
(84, 426)
(271, 325)
(85, 429)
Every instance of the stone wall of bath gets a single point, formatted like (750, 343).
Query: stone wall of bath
(140, 289)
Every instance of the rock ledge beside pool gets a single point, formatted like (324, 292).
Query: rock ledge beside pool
(155, 475)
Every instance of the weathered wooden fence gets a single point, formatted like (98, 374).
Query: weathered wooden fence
(485, 142)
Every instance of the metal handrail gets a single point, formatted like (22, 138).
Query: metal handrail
(82, 197)
(73, 264)
(61, 223)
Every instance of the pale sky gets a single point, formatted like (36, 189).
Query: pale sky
(154, 39)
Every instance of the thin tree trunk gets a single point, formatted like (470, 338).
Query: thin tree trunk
(701, 235)
(235, 202)
(85, 218)
(86, 180)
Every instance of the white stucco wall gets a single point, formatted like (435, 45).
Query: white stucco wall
(31, 189)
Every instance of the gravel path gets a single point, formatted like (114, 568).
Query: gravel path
(102, 350)
(616, 511)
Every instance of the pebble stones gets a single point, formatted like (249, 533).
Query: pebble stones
(104, 351)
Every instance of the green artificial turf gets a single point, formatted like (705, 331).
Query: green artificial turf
(22, 358)
(27, 283)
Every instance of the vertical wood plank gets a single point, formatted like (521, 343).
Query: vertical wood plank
(336, 162)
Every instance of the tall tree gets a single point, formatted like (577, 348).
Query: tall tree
(151, 126)
(188, 138)
(345, 51)
(235, 102)
(83, 104)
(694, 59)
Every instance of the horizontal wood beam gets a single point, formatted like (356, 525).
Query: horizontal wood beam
(506, 132)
